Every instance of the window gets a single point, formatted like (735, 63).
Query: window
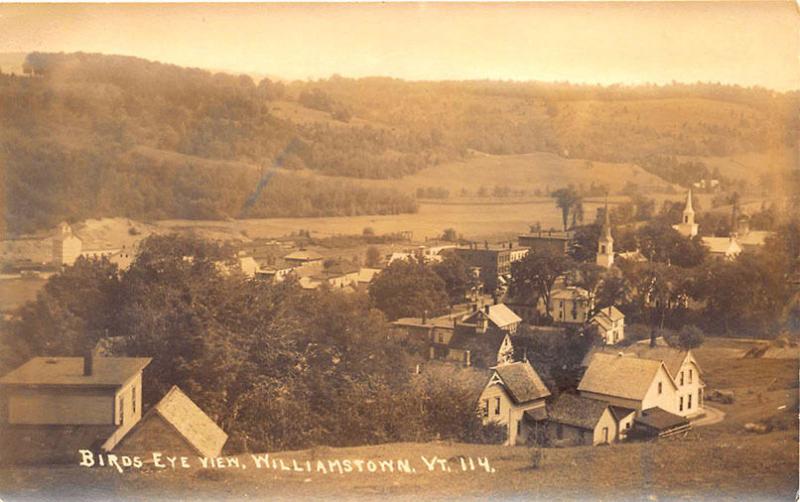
(690, 376)
(628, 425)
(681, 377)
(121, 410)
(519, 427)
(689, 402)
(485, 408)
(680, 403)
(133, 398)
(497, 406)
(560, 431)
(603, 248)
(659, 387)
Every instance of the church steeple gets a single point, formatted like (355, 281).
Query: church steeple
(605, 244)
(688, 211)
(687, 227)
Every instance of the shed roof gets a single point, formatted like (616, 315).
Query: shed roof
(576, 411)
(618, 375)
(521, 381)
(191, 422)
(68, 371)
(660, 419)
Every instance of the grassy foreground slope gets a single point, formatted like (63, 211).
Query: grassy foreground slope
(720, 462)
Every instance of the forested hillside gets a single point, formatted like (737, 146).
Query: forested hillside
(86, 135)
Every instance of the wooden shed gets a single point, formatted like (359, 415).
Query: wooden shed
(175, 426)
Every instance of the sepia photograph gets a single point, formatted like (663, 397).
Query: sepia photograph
(400, 251)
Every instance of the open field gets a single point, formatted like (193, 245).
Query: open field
(15, 292)
(720, 462)
(534, 171)
(486, 220)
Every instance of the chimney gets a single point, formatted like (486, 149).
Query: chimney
(88, 362)
(486, 309)
(424, 316)
(474, 307)
(653, 338)
(494, 299)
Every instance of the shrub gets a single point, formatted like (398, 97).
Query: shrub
(536, 456)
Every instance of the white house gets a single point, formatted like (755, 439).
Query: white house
(646, 377)
(514, 391)
(629, 382)
(685, 372)
(610, 324)
(568, 305)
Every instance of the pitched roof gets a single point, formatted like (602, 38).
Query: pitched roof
(672, 358)
(502, 316)
(303, 254)
(191, 422)
(107, 371)
(577, 411)
(620, 412)
(618, 375)
(722, 245)
(522, 382)
(660, 419)
(612, 313)
(367, 274)
(569, 293)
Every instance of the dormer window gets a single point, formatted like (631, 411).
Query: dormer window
(659, 387)
(690, 376)
(681, 377)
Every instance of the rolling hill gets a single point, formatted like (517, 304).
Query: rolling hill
(88, 135)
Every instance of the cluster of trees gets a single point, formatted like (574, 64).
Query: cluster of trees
(47, 182)
(276, 366)
(432, 193)
(680, 286)
(412, 288)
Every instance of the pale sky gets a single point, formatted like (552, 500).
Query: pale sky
(743, 43)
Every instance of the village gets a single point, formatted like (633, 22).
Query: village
(435, 251)
(612, 383)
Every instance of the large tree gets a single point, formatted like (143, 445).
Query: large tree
(570, 203)
(408, 288)
(533, 276)
(457, 281)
